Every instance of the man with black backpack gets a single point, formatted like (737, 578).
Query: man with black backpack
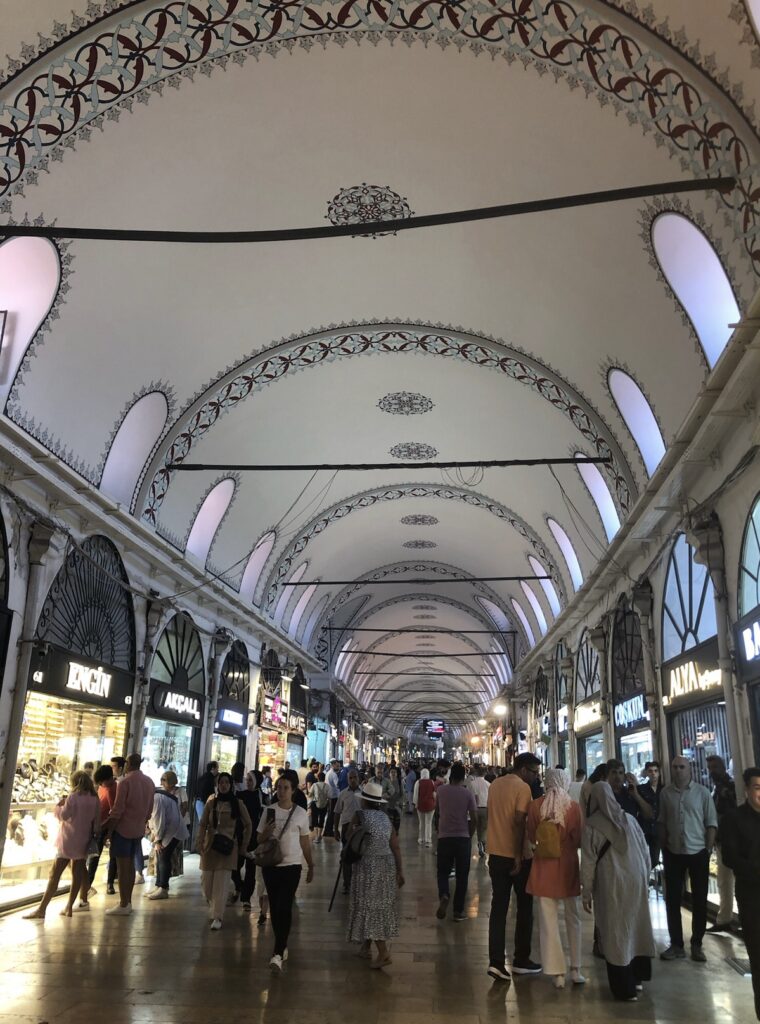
(348, 804)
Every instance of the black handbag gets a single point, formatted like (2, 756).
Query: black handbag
(220, 843)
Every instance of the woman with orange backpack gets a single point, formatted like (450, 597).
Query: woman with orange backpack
(554, 830)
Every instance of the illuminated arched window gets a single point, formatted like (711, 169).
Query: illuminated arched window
(568, 552)
(207, 521)
(133, 443)
(694, 271)
(287, 591)
(639, 418)
(255, 565)
(688, 611)
(300, 608)
(749, 570)
(546, 585)
(525, 624)
(587, 679)
(601, 496)
(536, 606)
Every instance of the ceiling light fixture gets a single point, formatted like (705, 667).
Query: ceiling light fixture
(500, 709)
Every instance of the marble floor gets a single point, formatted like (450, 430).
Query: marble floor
(164, 965)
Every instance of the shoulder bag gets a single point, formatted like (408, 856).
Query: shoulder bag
(220, 843)
(268, 854)
(353, 851)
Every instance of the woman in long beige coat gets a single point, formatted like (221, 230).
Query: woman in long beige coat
(223, 815)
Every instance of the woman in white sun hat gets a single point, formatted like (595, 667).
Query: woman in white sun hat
(372, 913)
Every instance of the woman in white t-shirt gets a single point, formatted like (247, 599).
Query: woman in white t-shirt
(290, 824)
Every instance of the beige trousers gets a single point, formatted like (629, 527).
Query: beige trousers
(552, 954)
(216, 888)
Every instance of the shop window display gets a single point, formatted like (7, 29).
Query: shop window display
(167, 747)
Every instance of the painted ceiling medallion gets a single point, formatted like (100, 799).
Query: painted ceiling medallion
(423, 607)
(426, 645)
(423, 616)
(405, 403)
(418, 520)
(367, 204)
(417, 545)
(413, 451)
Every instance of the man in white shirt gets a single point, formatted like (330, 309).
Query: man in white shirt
(331, 778)
(479, 787)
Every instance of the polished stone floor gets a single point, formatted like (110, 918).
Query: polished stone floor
(164, 965)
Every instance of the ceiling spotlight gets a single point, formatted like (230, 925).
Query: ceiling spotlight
(475, 739)
(500, 709)
(482, 721)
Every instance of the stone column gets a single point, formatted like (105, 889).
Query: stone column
(643, 602)
(150, 618)
(598, 640)
(220, 644)
(567, 667)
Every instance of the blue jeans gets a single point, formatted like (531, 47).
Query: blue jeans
(454, 851)
(164, 864)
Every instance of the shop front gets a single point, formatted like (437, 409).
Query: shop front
(273, 735)
(230, 734)
(296, 738)
(589, 735)
(171, 737)
(76, 715)
(563, 737)
(747, 646)
(633, 735)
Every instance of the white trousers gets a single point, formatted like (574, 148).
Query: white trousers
(425, 831)
(552, 954)
(725, 891)
(216, 889)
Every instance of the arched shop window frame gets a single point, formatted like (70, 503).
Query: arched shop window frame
(235, 679)
(262, 549)
(561, 689)
(520, 612)
(627, 653)
(588, 682)
(89, 607)
(698, 279)
(600, 494)
(637, 413)
(568, 551)
(207, 520)
(749, 563)
(271, 671)
(541, 695)
(692, 620)
(132, 445)
(178, 659)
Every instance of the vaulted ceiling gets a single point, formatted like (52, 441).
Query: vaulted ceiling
(485, 340)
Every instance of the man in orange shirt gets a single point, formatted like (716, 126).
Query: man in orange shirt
(509, 866)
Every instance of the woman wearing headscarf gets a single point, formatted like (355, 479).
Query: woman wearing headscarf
(554, 830)
(372, 911)
(615, 881)
(223, 815)
(424, 800)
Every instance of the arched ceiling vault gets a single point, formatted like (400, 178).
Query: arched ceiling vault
(152, 115)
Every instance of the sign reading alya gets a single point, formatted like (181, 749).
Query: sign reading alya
(694, 674)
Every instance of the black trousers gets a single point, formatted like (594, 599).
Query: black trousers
(677, 865)
(749, 916)
(454, 852)
(330, 823)
(623, 980)
(281, 886)
(94, 861)
(395, 815)
(502, 884)
(164, 864)
(244, 879)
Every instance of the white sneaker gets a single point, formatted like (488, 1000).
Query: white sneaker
(92, 891)
(576, 977)
(276, 963)
(81, 907)
(216, 924)
(285, 955)
(559, 980)
(119, 911)
(139, 879)
(158, 894)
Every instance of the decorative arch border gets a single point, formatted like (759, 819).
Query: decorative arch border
(366, 499)
(86, 83)
(336, 342)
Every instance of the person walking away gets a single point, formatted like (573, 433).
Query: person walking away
(224, 815)
(167, 832)
(423, 799)
(687, 826)
(205, 786)
(244, 878)
(106, 793)
(509, 863)
(333, 792)
(394, 797)
(739, 835)
(650, 791)
(457, 821)
(372, 910)
(348, 803)
(126, 825)
(724, 798)
(554, 830)
(615, 883)
(79, 817)
(409, 781)
(577, 786)
(321, 801)
(479, 787)
(289, 823)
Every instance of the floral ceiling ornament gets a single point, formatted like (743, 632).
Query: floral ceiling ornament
(418, 545)
(423, 607)
(405, 403)
(367, 204)
(413, 451)
(419, 520)
(423, 616)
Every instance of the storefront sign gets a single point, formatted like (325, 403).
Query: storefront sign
(296, 722)
(588, 716)
(691, 676)
(631, 712)
(748, 647)
(75, 678)
(231, 718)
(274, 712)
(177, 705)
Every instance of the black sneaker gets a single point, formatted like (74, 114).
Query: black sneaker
(443, 905)
(247, 908)
(499, 971)
(262, 920)
(697, 954)
(111, 891)
(526, 967)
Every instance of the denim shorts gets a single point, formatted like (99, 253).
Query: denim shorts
(123, 847)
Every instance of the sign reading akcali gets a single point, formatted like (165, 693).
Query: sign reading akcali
(181, 703)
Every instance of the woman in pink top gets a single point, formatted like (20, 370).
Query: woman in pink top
(556, 880)
(79, 817)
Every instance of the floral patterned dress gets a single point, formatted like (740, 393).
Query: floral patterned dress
(372, 913)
